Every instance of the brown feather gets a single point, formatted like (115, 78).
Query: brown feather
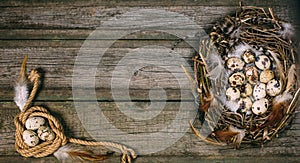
(87, 156)
(291, 78)
(225, 136)
(23, 76)
(205, 106)
(276, 114)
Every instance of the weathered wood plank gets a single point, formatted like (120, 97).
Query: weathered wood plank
(286, 144)
(65, 94)
(52, 33)
(132, 3)
(92, 17)
(164, 159)
(58, 64)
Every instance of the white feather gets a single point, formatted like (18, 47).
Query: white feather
(282, 98)
(232, 106)
(215, 66)
(239, 137)
(21, 95)
(239, 50)
(62, 153)
(287, 31)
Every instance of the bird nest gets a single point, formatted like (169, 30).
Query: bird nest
(245, 76)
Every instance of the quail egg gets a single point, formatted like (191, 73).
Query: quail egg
(235, 64)
(236, 79)
(263, 62)
(266, 76)
(245, 104)
(260, 106)
(248, 56)
(273, 87)
(246, 90)
(259, 91)
(30, 138)
(251, 74)
(33, 123)
(45, 133)
(232, 93)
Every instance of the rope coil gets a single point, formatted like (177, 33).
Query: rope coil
(49, 147)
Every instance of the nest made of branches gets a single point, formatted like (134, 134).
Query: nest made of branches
(261, 31)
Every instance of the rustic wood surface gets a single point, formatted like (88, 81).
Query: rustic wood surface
(52, 33)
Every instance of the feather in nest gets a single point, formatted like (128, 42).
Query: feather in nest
(279, 66)
(231, 135)
(291, 78)
(279, 106)
(287, 31)
(21, 87)
(241, 48)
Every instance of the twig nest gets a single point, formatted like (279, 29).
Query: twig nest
(260, 106)
(273, 87)
(256, 90)
(30, 138)
(263, 62)
(34, 123)
(45, 133)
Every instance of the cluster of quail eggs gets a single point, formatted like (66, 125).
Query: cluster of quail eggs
(252, 82)
(36, 131)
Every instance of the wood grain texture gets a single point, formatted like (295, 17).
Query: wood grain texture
(52, 34)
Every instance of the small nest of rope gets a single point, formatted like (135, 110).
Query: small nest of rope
(245, 76)
(39, 133)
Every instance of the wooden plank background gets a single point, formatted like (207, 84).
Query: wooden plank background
(52, 33)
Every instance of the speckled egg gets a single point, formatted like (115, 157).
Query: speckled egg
(30, 138)
(236, 79)
(34, 123)
(248, 56)
(263, 62)
(245, 104)
(259, 91)
(273, 87)
(251, 74)
(232, 93)
(266, 76)
(260, 106)
(246, 90)
(235, 64)
(45, 133)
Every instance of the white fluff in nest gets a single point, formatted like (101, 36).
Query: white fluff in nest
(232, 106)
(239, 136)
(215, 66)
(235, 33)
(287, 31)
(241, 48)
(283, 97)
(21, 95)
